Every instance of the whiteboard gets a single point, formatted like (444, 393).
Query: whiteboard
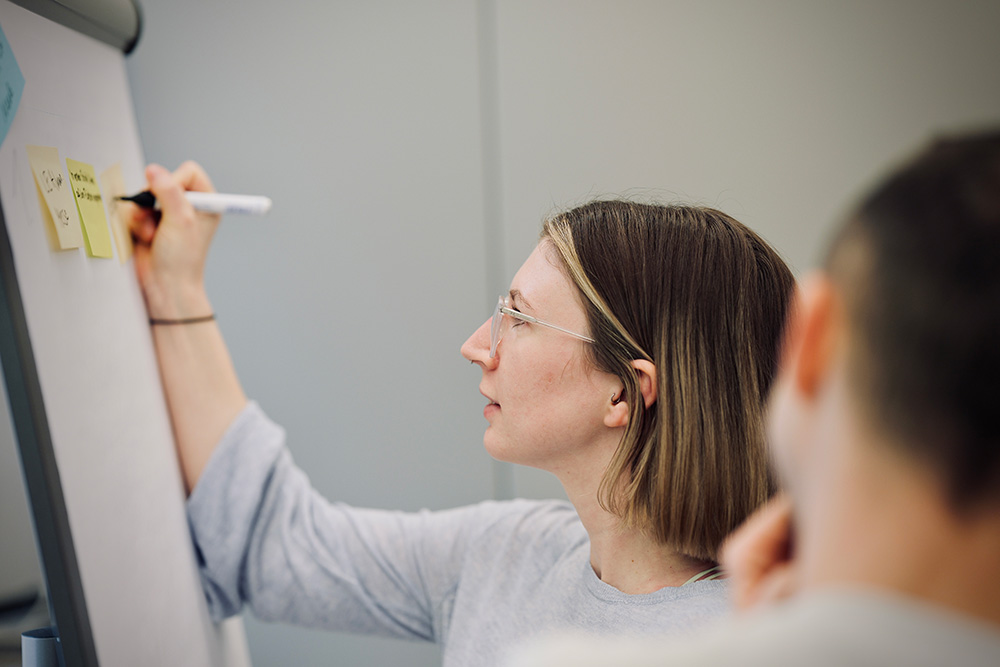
(88, 408)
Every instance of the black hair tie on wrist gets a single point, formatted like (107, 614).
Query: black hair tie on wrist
(185, 320)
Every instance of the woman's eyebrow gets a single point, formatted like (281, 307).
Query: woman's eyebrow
(516, 296)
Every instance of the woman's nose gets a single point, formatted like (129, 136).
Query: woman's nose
(477, 347)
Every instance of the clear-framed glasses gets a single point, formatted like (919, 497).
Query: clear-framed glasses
(500, 326)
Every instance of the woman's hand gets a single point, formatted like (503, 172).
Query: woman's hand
(759, 557)
(171, 245)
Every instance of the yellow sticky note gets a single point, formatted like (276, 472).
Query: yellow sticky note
(91, 208)
(59, 210)
(113, 185)
(47, 222)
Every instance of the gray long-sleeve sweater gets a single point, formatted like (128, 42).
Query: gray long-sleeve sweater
(477, 579)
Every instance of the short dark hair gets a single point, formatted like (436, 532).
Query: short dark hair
(704, 298)
(919, 267)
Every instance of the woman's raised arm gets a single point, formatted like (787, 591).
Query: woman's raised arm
(203, 393)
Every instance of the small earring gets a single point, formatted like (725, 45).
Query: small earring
(616, 401)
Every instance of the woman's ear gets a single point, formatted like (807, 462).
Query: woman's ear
(647, 380)
(618, 409)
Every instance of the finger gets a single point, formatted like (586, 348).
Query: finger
(759, 552)
(192, 177)
(143, 229)
(141, 221)
(764, 538)
(151, 171)
(169, 192)
(141, 259)
(147, 229)
(779, 584)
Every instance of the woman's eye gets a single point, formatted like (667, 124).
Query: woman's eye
(515, 317)
(515, 321)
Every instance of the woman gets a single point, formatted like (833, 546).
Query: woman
(630, 358)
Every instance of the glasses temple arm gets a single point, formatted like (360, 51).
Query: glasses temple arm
(534, 320)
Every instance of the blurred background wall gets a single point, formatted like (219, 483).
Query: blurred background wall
(412, 148)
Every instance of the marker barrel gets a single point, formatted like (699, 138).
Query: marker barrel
(215, 202)
(211, 202)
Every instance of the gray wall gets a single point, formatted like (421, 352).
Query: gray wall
(412, 148)
(777, 112)
(345, 307)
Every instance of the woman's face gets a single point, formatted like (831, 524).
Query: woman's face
(546, 401)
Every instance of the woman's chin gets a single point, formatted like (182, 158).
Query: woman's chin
(498, 447)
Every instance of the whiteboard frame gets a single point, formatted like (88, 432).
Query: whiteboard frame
(67, 604)
(92, 427)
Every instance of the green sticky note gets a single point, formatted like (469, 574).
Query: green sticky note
(83, 181)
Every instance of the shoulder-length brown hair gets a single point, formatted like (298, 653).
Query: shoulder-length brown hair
(704, 298)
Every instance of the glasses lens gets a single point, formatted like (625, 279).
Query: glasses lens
(495, 326)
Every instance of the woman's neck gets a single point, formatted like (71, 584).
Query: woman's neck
(632, 561)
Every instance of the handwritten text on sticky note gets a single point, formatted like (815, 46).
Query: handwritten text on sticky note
(60, 210)
(91, 208)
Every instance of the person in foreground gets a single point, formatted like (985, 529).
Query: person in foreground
(630, 358)
(883, 419)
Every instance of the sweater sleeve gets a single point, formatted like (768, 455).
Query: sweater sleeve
(265, 538)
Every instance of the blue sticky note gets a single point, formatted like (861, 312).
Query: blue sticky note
(11, 85)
